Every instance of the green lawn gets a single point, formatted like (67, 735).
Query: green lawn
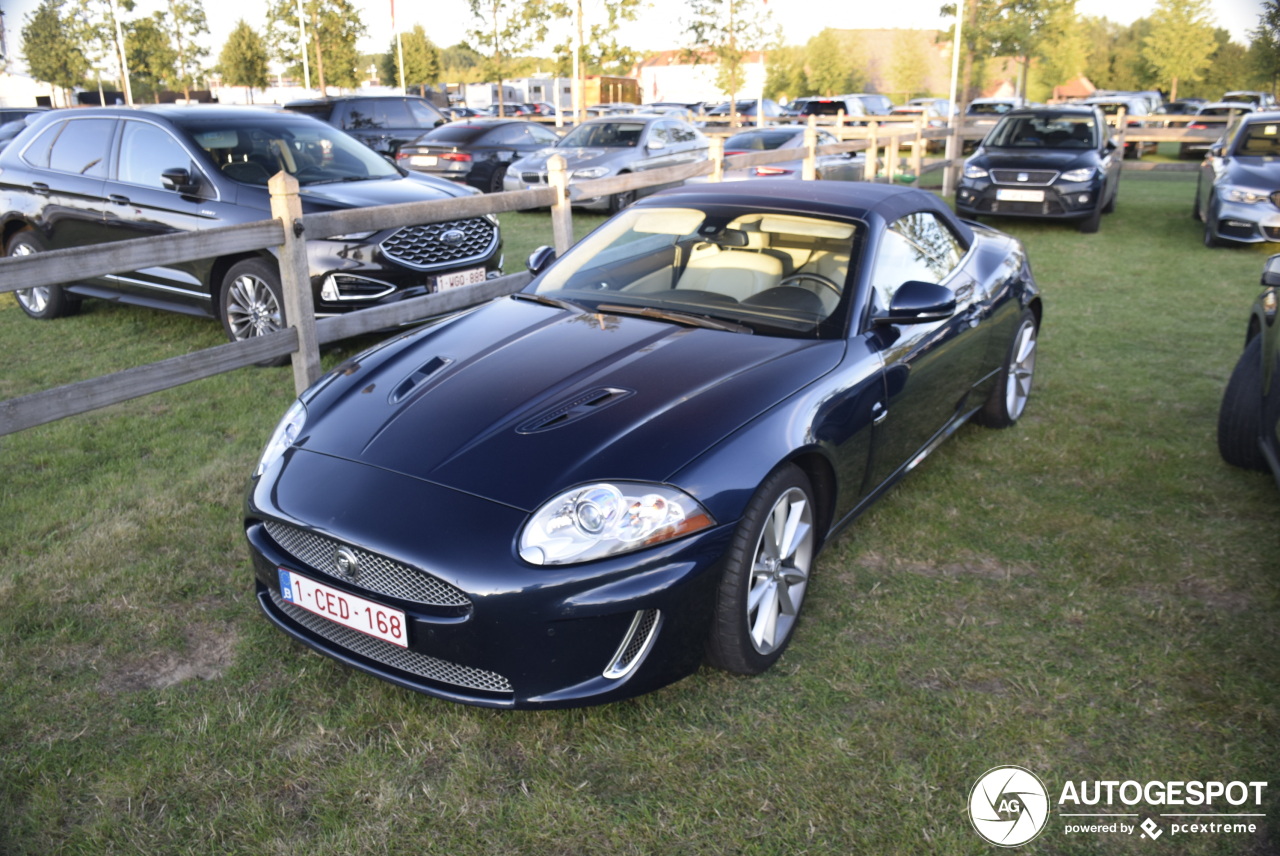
(1091, 594)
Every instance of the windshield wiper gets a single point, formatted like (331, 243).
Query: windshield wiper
(548, 301)
(675, 317)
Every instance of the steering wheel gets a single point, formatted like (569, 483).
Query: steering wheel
(797, 278)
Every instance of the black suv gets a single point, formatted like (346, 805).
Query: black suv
(384, 123)
(77, 177)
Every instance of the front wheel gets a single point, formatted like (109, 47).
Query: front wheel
(251, 303)
(1240, 416)
(42, 301)
(1089, 225)
(618, 201)
(766, 573)
(1009, 397)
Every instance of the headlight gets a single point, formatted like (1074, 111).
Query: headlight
(1082, 174)
(591, 172)
(1247, 195)
(974, 171)
(599, 520)
(512, 172)
(283, 437)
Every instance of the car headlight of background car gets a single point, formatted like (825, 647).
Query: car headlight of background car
(1247, 195)
(598, 520)
(591, 172)
(974, 171)
(286, 433)
(1083, 174)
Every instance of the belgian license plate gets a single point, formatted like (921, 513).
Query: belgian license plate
(423, 160)
(458, 278)
(1007, 195)
(378, 621)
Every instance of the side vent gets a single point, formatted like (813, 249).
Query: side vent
(415, 380)
(571, 411)
(636, 643)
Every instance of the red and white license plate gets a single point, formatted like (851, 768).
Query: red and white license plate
(470, 276)
(380, 622)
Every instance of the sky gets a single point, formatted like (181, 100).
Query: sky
(447, 21)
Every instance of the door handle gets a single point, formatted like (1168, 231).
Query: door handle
(118, 199)
(40, 187)
(878, 413)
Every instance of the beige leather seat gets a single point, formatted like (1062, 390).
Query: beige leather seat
(738, 273)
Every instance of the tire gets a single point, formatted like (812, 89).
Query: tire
(1089, 225)
(1110, 205)
(1240, 415)
(766, 573)
(42, 302)
(1008, 399)
(496, 178)
(1195, 206)
(1210, 240)
(251, 303)
(618, 201)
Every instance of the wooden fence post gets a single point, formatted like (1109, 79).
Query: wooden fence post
(871, 166)
(1121, 130)
(716, 154)
(891, 155)
(561, 210)
(809, 171)
(954, 154)
(295, 279)
(918, 149)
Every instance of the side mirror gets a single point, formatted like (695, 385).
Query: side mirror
(920, 303)
(1271, 272)
(655, 145)
(540, 259)
(179, 180)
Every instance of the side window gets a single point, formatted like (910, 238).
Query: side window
(81, 148)
(660, 132)
(146, 151)
(37, 151)
(916, 247)
(422, 114)
(543, 135)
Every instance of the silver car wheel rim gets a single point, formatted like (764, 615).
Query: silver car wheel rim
(34, 300)
(1021, 369)
(252, 308)
(780, 571)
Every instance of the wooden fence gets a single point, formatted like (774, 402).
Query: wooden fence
(288, 232)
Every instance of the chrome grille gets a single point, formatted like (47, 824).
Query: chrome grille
(394, 656)
(533, 177)
(376, 573)
(1034, 177)
(426, 247)
(635, 643)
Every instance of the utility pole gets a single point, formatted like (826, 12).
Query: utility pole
(302, 45)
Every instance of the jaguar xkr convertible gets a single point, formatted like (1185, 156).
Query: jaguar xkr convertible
(583, 491)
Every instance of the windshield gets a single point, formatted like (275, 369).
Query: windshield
(1045, 131)
(775, 274)
(1259, 140)
(254, 149)
(604, 135)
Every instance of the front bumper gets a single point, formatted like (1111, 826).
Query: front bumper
(1245, 223)
(503, 633)
(1061, 200)
(534, 180)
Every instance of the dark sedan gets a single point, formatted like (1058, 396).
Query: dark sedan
(477, 151)
(1249, 419)
(92, 175)
(1048, 162)
(382, 122)
(578, 493)
(1236, 191)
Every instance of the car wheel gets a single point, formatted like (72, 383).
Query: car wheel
(1009, 396)
(1210, 239)
(1195, 206)
(618, 201)
(496, 177)
(251, 303)
(1093, 222)
(766, 573)
(1240, 416)
(43, 301)
(1110, 205)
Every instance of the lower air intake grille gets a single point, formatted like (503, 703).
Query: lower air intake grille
(374, 573)
(393, 655)
(437, 245)
(635, 643)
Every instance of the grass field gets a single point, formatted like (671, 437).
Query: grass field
(1091, 594)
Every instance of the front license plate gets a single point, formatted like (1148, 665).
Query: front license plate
(458, 278)
(422, 160)
(1005, 195)
(378, 621)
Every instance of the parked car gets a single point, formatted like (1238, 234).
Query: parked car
(382, 122)
(1222, 112)
(1260, 100)
(1236, 189)
(846, 166)
(747, 110)
(1249, 418)
(78, 177)
(477, 151)
(11, 129)
(877, 105)
(613, 146)
(1044, 162)
(644, 451)
(13, 114)
(1182, 107)
(852, 108)
(455, 112)
(987, 111)
(1135, 109)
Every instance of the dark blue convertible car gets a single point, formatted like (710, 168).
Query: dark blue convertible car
(583, 491)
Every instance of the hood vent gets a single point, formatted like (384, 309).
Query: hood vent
(415, 380)
(571, 411)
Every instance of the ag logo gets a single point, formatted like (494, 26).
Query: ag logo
(1008, 806)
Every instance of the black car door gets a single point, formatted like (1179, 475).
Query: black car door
(67, 180)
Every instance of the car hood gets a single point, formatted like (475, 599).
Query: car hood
(1056, 159)
(1254, 171)
(517, 401)
(385, 191)
(575, 158)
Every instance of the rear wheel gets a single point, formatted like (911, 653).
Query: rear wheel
(496, 178)
(1009, 397)
(42, 301)
(1240, 416)
(251, 303)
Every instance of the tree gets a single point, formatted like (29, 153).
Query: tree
(51, 47)
(909, 68)
(151, 57)
(602, 53)
(505, 29)
(243, 61)
(332, 29)
(421, 59)
(727, 30)
(100, 32)
(1064, 47)
(785, 78)
(188, 21)
(1181, 41)
(1264, 49)
(461, 63)
(830, 66)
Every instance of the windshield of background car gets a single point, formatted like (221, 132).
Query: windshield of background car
(988, 109)
(1044, 131)
(254, 149)
(1259, 140)
(758, 141)
(775, 273)
(605, 135)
